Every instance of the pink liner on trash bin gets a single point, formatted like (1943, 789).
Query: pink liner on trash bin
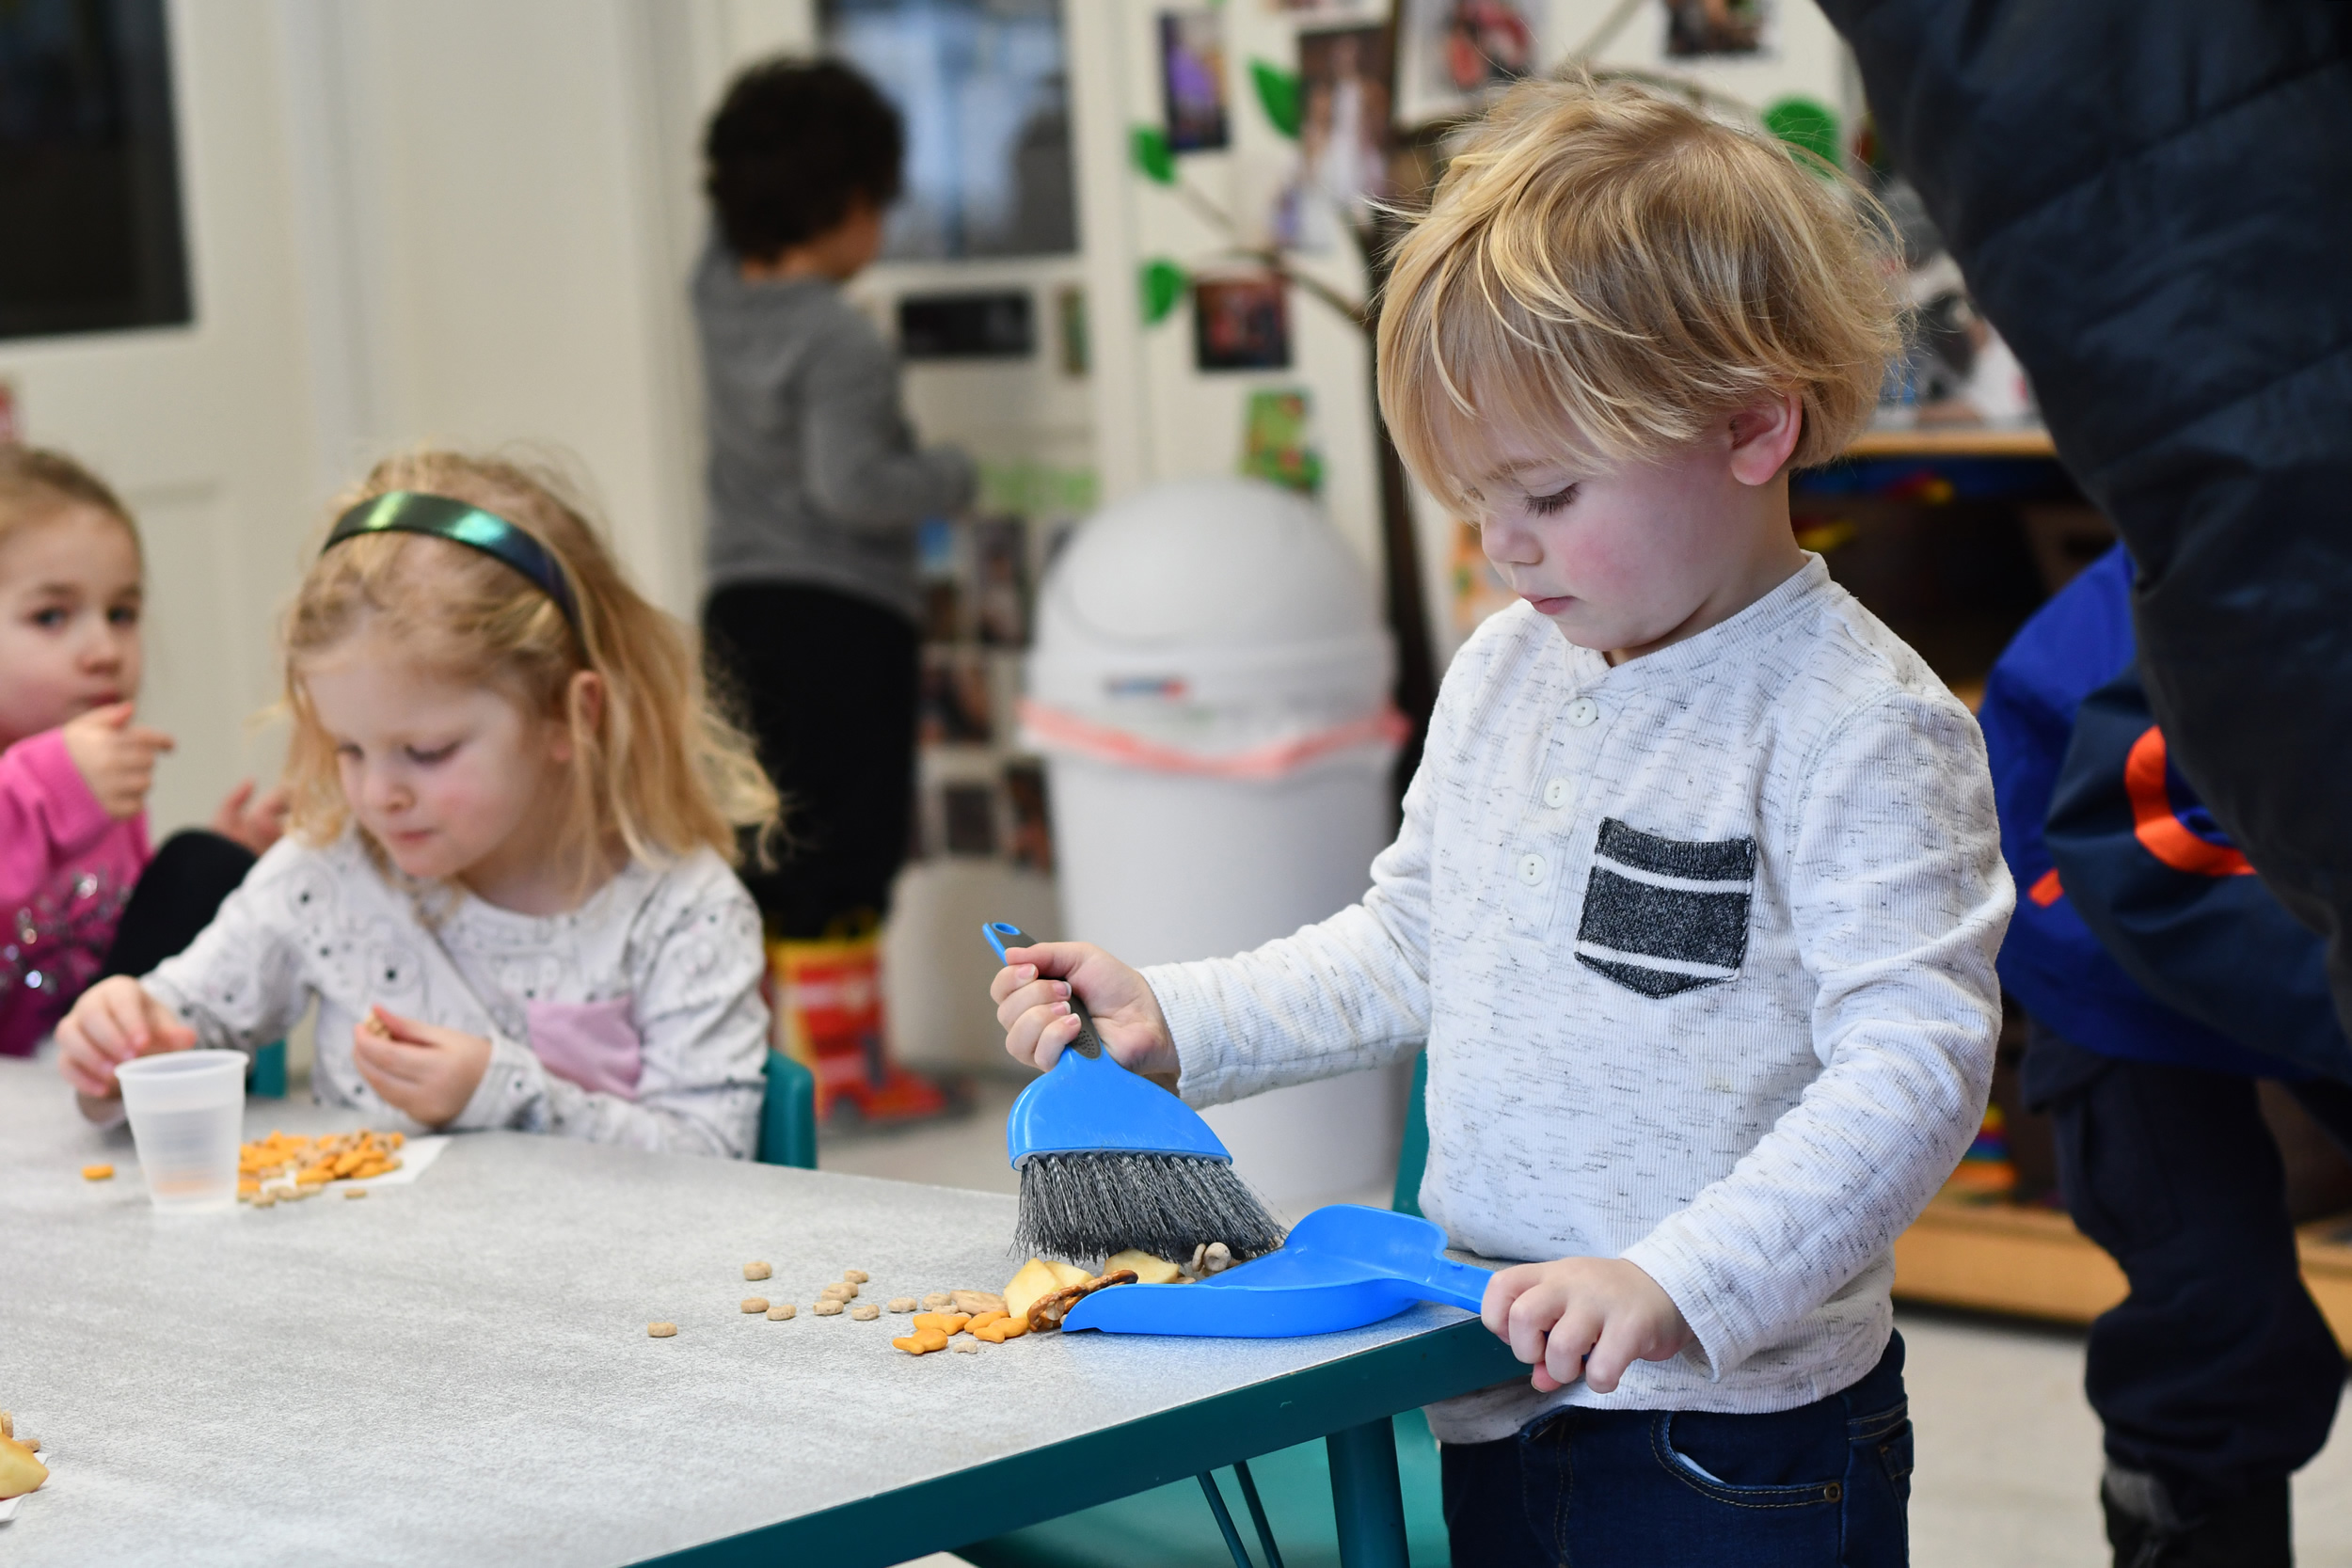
(1103, 743)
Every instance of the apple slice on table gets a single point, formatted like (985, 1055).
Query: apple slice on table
(19, 1472)
(1148, 1269)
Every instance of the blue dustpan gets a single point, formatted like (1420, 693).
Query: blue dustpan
(1343, 1267)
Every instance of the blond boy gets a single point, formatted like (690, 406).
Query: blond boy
(1698, 889)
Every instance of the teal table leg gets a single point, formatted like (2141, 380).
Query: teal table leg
(269, 1072)
(1365, 1498)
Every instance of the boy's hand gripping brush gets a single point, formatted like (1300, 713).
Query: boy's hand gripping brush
(1110, 1160)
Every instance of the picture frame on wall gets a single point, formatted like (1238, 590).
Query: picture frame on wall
(1344, 130)
(1192, 80)
(1698, 29)
(1241, 321)
(1452, 54)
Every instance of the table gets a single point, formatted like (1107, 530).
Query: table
(458, 1370)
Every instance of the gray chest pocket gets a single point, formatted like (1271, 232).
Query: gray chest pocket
(1667, 916)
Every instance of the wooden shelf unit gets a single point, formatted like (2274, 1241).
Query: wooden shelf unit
(1963, 440)
(2033, 1264)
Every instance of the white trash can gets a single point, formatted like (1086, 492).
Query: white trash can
(1209, 689)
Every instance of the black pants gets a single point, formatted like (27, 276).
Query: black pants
(176, 898)
(2217, 1374)
(1822, 1485)
(828, 685)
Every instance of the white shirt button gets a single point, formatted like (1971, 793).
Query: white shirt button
(1559, 794)
(1532, 869)
(1583, 712)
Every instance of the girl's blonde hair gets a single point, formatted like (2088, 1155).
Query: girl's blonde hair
(1604, 271)
(656, 768)
(37, 482)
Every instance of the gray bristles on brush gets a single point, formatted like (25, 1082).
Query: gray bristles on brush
(1084, 1207)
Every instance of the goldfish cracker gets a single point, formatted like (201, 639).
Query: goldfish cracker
(946, 1322)
(922, 1342)
(1001, 1328)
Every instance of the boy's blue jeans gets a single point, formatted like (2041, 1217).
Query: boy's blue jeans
(1825, 1486)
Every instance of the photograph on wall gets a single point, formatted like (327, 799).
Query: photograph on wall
(1192, 79)
(1457, 52)
(1308, 10)
(1240, 322)
(1031, 838)
(1702, 27)
(1342, 133)
(940, 571)
(1276, 442)
(955, 705)
(1000, 582)
(967, 818)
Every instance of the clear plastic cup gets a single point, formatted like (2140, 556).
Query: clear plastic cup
(187, 1113)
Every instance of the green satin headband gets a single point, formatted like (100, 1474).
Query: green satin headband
(461, 523)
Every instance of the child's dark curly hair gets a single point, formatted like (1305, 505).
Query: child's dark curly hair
(793, 147)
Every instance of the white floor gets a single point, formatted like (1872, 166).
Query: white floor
(2008, 1451)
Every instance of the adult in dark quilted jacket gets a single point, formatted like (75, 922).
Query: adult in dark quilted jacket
(2152, 199)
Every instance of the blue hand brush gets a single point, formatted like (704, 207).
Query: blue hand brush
(1110, 1161)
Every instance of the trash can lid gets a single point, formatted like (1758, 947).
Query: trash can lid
(1223, 562)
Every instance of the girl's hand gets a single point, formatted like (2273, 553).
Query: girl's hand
(421, 1068)
(117, 758)
(113, 1022)
(257, 824)
(1032, 997)
(1583, 1317)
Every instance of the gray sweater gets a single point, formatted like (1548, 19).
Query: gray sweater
(1702, 947)
(813, 477)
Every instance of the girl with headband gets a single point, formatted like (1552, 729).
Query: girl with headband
(506, 878)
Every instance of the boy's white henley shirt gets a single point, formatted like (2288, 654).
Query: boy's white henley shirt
(1702, 949)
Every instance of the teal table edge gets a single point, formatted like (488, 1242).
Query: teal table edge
(1338, 1400)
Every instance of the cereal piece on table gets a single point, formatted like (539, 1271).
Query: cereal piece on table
(661, 1331)
(938, 1299)
(922, 1342)
(946, 1322)
(780, 1312)
(842, 1290)
(756, 1271)
(975, 1301)
(827, 1309)
(856, 1276)
(96, 1173)
(755, 1303)
(28, 1441)
(355, 1191)
(865, 1313)
(902, 1304)
(966, 1344)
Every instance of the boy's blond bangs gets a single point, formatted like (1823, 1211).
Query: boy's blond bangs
(1605, 271)
(657, 772)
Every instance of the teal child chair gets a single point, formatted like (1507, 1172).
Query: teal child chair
(787, 1121)
(1288, 1493)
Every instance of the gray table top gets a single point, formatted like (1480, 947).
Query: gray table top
(458, 1370)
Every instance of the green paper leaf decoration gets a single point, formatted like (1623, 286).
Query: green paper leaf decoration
(1806, 125)
(1164, 284)
(1152, 156)
(1279, 94)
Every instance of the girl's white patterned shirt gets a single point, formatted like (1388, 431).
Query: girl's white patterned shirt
(670, 955)
(1701, 946)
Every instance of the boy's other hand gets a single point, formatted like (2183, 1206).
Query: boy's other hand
(1032, 997)
(117, 758)
(1583, 1317)
(256, 823)
(113, 1022)
(422, 1070)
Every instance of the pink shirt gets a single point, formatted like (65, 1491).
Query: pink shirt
(66, 870)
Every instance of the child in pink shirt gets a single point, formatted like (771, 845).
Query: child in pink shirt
(75, 766)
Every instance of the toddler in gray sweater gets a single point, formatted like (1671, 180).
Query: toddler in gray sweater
(1698, 890)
